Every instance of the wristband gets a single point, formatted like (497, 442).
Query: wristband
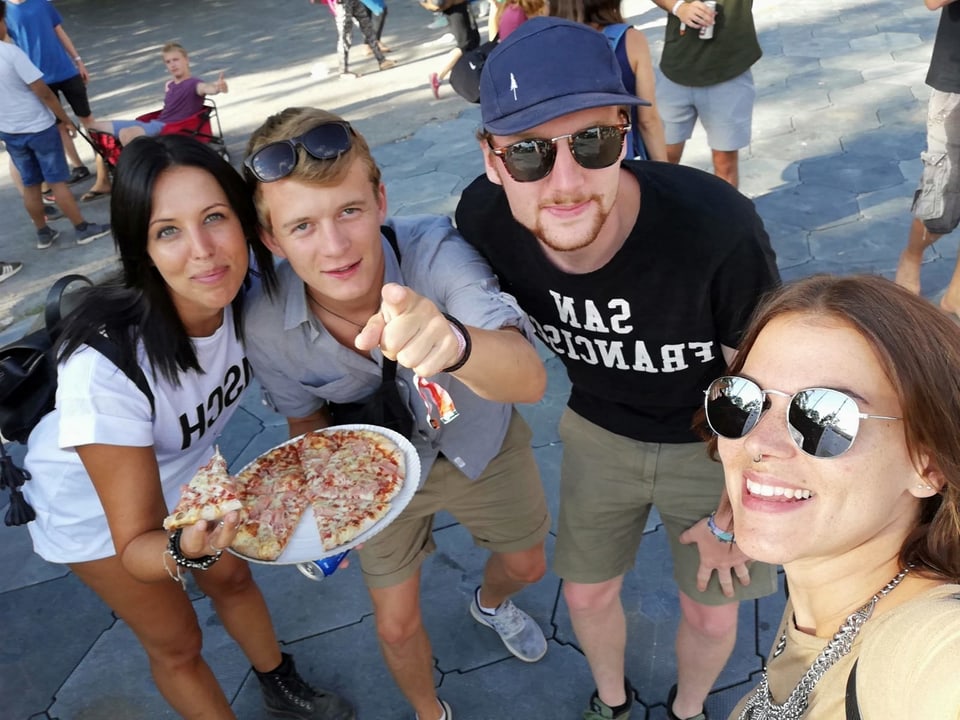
(77, 59)
(204, 562)
(675, 6)
(463, 340)
(724, 536)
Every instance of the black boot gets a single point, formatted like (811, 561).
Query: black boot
(287, 695)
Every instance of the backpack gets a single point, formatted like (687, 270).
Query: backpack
(28, 388)
(465, 75)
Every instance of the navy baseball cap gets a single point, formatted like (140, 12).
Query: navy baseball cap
(546, 68)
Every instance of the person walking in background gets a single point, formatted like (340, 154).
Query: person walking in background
(518, 12)
(641, 277)
(936, 205)
(28, 126)
(465, 33)
(645, 140)
(37, 28)
(705, 74)
(345, 13)
(836, 426)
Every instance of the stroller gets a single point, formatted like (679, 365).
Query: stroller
(200, 126)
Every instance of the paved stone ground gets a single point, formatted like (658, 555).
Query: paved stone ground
(838, 129)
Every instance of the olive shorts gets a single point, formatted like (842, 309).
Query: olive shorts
(504, 510)
(608, 484)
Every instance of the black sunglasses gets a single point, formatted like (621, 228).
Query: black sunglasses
(276, 160)
(822, 422)
(532, 159)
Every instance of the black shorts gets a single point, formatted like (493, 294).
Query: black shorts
(463, 27)
(75, 93)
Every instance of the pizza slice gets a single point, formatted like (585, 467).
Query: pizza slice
(210, 495)
(367, 466)
(341, 521)
(315, 450)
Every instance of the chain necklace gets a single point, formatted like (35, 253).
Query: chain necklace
(760, 705)
(312, 299)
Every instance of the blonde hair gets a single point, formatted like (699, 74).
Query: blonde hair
(173, 47)
(293, 122)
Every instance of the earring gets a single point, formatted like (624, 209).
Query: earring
(922, 486)
(758, 458)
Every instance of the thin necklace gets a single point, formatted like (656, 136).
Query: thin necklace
(761, 706)
(312, 299)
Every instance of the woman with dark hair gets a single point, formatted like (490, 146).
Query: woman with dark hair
(646, 139)
(837, 428)
(109, 462)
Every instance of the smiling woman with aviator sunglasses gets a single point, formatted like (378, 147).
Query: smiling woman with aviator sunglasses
(837, 430)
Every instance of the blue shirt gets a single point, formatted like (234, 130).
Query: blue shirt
(31, 25)
(301, 366)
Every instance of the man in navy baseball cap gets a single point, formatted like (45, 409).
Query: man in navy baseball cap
(641, 277)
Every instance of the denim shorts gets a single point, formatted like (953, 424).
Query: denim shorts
(724, 109)
(38, 156)
(150, 128)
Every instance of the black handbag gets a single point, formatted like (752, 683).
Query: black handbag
(384, 407)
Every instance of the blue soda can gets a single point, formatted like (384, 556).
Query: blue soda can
(319, 569)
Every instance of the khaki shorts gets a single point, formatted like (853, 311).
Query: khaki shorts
(608, 484)
(937, 200)
(504, 509)
(724, 109)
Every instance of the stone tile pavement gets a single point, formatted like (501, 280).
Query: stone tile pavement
(838, 128)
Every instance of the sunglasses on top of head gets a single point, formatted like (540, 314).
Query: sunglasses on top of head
(532, 159)
(276, 160)
(822, 422)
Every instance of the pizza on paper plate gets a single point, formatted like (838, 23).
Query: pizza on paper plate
(348, 477)
(210, 495)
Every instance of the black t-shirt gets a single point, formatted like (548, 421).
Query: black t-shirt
(641, 336)
(944, 73)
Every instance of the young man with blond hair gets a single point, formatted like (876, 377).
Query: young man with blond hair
(360, 292)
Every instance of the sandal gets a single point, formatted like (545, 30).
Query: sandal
(435, 85)
(93, 195)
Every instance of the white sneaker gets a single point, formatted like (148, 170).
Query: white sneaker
(445, 706)
(8, 270)
(520, 633)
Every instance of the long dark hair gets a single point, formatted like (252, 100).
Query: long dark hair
(919, 350)
(139, 306)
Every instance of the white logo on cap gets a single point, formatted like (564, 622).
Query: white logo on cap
(513, 86)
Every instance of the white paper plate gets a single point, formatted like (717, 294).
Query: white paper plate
(305, 543)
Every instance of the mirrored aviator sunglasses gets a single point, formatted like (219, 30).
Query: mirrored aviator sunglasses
(822, 422)
(532, 159)
(276, 160)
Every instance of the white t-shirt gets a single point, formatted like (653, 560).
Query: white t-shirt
(21, 110)
(97, 403)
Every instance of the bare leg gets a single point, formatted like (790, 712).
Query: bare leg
(675, 152)
(102, 183)
(129, 134)
(33, 204)
(241, 607)
(67, 202)
(596, 613)
(726, 165)
(908, 269)
(705, 639)
(162, 618)
(405, 645)
(68, 147)
(452, 58)
(508, 573)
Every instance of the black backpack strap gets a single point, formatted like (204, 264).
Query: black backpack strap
(391, 237)
(110, 350)
(852, 706)
(51, 311)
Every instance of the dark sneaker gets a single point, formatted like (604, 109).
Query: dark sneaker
(519, 632)
(88, 232)
(599, 710)
(702, 715)
(8, 270)
(52, 212)
(287, 695)
(77, 174)
(45, 237)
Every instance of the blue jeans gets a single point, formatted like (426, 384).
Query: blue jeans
(38, 156)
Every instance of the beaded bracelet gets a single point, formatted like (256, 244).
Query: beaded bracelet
(204, 562)
(463, 338)
(724, 536)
